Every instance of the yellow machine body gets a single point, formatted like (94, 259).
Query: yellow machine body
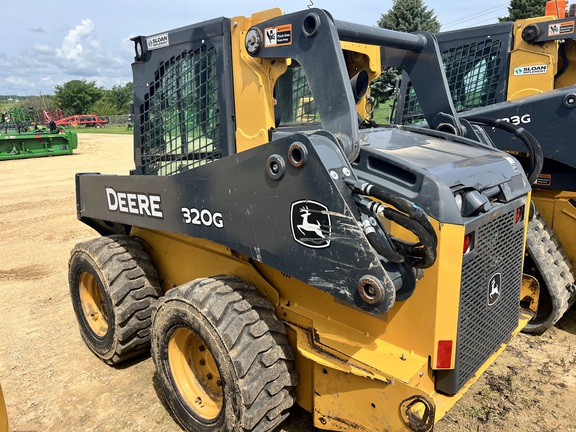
(523, 73)
(554, 205)
(526, 54)
(3, 413)
(545, 53)
(357, 372)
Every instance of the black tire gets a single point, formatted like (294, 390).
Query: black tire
(114, 289)
(222, 357)
(547, 262)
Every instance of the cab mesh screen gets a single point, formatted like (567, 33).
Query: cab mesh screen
(179, 118)
(295, 101)
(473, 74)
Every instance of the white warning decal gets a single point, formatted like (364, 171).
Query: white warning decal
(278, 36)
(561, 28)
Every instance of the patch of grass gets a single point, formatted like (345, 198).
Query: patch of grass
(382, 112)
(123, 130)
(480, 413)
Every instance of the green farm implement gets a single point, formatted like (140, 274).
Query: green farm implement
(36, 142)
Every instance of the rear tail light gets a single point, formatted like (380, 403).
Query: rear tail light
(468, 243)
(520, 214)
(444, 357)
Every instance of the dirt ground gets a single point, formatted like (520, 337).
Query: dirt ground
(52, 382)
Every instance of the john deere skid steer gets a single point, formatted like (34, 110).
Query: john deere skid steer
(525, 73)
(272, 245)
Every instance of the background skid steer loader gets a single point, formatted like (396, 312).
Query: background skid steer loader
(530, 64)
(272, 245)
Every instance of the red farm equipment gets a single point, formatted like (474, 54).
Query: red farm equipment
(88, 120)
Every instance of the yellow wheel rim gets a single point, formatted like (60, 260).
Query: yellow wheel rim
(195, 373)
(92, 303)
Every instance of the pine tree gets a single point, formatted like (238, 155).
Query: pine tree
(521, 9)
(410, 16)
(405, 16)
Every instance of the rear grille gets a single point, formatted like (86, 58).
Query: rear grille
(483, 328)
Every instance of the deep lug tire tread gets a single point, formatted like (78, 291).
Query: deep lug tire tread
(554, 270)
(133, 286)
(255, 342)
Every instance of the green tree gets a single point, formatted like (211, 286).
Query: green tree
(410, 16)
(406, 16)
(120, 97)
(102, 108)
(77, 96)
(36, 105)
(521, 9)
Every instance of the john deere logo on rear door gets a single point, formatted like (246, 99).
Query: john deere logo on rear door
(311, 225)
(494, 285)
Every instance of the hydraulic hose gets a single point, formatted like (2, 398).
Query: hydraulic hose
(402, 204)
(420, 255)
(535, 153)
(407, 215)
(379, 246)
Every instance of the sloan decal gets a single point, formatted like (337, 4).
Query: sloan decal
(494, 285)
(530, 70)
(140, 204)
(311, 225)
(157, 41)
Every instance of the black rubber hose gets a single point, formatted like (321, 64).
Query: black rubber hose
(379, 246)
(405, 206)
(535, 153)
(420, 255)
(407, 215)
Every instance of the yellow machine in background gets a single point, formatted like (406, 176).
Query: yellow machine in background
(525, 73)
(273, 246)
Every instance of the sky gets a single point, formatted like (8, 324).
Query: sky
(45, 44)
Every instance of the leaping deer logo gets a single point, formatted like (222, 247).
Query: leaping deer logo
(494, 289)
(311, 225)
(308, 226)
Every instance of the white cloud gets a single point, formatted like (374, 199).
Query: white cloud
(16, 81)
(73, 44)
(78, 54)
(43, 49)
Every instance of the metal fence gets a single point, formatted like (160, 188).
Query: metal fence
(119, 120)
